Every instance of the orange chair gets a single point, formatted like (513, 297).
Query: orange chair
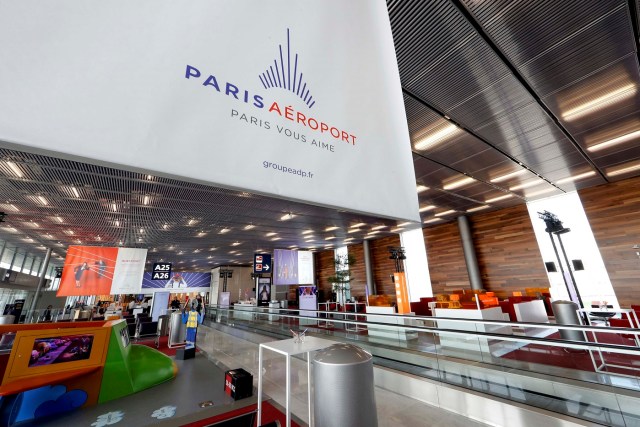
(454, 301)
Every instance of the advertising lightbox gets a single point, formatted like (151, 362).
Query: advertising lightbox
(293, 267)
(98, 270)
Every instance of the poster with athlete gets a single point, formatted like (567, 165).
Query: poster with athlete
(97, 270)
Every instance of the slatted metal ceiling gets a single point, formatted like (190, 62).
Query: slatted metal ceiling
(490, 88)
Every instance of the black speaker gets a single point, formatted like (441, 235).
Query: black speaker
(577, 264)
(551, 267)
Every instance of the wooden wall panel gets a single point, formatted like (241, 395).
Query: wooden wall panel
(508, 255)
(357, 272)
(325, 268)
(613, 211)
(447, 268)
(383, 267)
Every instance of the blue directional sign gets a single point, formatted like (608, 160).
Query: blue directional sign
(261, 263)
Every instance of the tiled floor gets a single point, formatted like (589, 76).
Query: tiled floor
(393, 409)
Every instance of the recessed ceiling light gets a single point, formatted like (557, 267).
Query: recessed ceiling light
(331, 228)
(307, 232)
(225, 230)
(11, 229)
(195, 251)
(497, 199)
(575, 178)
(601, 102)
(426, 208)
(146, 199)
(429, 221)
(623, 168)
(349, 238)
(212, 249)
(98, 238)
(353, 230)
(165, 226)
(59, 219)
(236, 244)
(248, 227)
(69, 232)
(441, 134)
(330, 238)
(396, 230)
(75, 192)
(615, 141)
(42, 200)
(373, 232)
(35, 224)
(360, 224)
(114, 207)
(537, 193)
(508, 176)
(404, 224)
(271, 233)
(458, 183)
(287, 217)
(201, 233)
(275, 238)
(191, 221)
(526, 185)
(450, 211)
(117, 223)
(149, 177)
(142, 230)
(478, 208)
(15, 169)
(14, 207)
(421, 188)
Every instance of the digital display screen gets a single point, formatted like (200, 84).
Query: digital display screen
(62, 349)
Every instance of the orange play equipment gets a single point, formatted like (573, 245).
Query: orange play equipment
(52, 368)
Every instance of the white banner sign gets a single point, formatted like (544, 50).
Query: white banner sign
(300, 100)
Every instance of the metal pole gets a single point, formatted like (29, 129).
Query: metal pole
(564, 279)
(13, 259)
(368, 269)
(469, 253)
(4, 246)
(24, 261)
(43, 273)
(573, 279)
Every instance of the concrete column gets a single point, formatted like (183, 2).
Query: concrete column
(469, 253)
(43, 274)
(368, 269)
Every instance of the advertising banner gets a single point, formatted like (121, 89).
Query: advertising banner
(293, 267)
(97, 270)
(178, 282)
(308, 300)
(296, 108)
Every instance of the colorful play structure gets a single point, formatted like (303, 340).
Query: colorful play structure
(51, 368)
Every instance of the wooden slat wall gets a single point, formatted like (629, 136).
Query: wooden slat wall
(325, 268)
(357, 271)
(447, 268)
(383, 267)
(613, 211)
(508, 255)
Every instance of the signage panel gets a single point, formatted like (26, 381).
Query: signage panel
(261, 263)
(161, 271)
(295, 110)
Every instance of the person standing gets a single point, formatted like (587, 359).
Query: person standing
(79, 270)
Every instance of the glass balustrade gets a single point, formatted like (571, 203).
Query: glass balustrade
(594, 378)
